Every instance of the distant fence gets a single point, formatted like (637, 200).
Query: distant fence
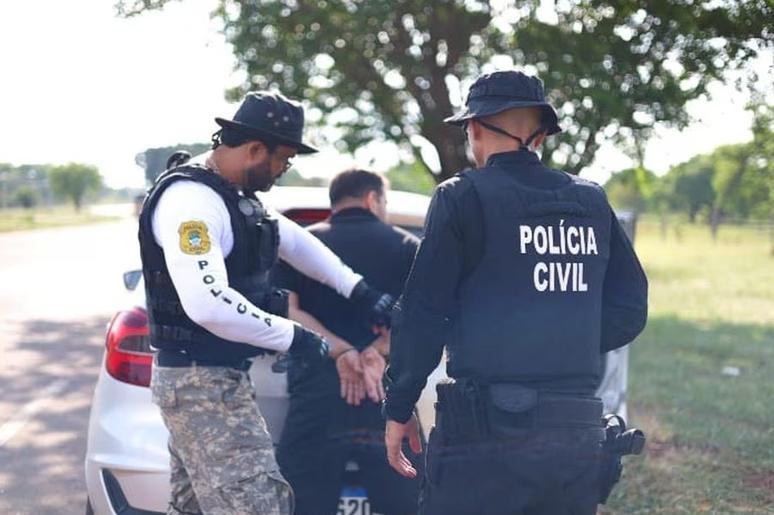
(628, 221)
(677, 228)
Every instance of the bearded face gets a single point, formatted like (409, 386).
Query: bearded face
(259, 177)
(262, 175)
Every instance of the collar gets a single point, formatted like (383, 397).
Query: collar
(353, 214)
(520, 157)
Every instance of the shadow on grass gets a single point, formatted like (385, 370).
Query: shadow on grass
(701, 391)
(50, 372)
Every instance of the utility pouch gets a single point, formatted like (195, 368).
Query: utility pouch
(463, 410)
(268, 243)
(276, 302)
(511, 406)
(618, 442)
(264, 230)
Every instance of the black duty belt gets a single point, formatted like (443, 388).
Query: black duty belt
(472, 410)
(543, 409)
(552, 409)
(172, 359)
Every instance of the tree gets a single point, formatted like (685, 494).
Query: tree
(745, 176)
(392, 70)
(154, 160)
(733, 182)
(743, 172)
(25, 197)
(294, 178)
(410, 177)
(73, 181)
(689, 186)
(630, 189)
(763, 140)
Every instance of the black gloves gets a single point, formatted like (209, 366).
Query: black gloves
(375, 306)
(309, 349)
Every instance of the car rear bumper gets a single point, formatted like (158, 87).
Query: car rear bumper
(111, 498)
(127, 461)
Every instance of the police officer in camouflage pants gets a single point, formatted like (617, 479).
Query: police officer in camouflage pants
(207, 246)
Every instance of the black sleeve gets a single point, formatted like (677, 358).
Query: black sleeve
(410, 250)
(422, 315)
(624, 294)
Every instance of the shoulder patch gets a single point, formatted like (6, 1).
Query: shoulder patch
(194, 238)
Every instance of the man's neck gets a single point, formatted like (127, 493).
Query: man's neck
(212, 161)
(348, 204)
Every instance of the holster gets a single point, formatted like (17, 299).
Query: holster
(461, 409)
(618, 442)
(276, 302)
(609, 473)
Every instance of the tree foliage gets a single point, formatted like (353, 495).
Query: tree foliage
(154, 160)
(381, 70)
(762, 162)
(734, 182)
(294, 178)
(22, 186)
(26, 197)
(689, 186)
(744, 173)
(410, 177)
(629, 190)
(73, 181)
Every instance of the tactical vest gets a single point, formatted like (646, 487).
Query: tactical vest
(255, 252)
(530, 312)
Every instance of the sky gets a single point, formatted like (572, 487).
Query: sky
(79, 85)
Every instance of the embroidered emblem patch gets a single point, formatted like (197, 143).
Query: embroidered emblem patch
(194, 238)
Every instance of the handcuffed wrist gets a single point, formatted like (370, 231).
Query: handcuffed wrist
(340, 354)
(375, 349)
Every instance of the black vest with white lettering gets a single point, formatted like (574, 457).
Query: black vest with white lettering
(530, 312)
(255, 252)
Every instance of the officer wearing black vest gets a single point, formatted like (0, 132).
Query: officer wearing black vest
(525, 277)
(207, 246)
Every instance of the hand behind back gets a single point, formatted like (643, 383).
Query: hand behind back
(373, 365)
(350, 371)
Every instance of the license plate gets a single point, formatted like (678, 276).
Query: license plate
(353, 501)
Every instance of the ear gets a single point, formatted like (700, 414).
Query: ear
(256, 150)
(474, 129)
(538, 141)
(372, 200)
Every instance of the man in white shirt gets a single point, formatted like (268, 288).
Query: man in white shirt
(207, 246)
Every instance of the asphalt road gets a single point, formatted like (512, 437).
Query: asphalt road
(58, 289)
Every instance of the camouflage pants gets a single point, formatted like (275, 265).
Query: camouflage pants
(221, 454)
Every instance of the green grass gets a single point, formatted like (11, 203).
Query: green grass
(17, 219)
(710, 435)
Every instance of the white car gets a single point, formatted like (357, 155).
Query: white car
(127, 461)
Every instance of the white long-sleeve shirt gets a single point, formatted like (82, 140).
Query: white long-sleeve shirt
(197, 274)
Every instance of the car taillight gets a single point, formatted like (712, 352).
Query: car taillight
(307, 216)
(129, 356)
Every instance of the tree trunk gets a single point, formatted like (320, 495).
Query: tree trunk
(449, 142)
(771, 230)
(715, 216)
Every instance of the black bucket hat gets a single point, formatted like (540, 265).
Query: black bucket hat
(496, 92)
(271, 117)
